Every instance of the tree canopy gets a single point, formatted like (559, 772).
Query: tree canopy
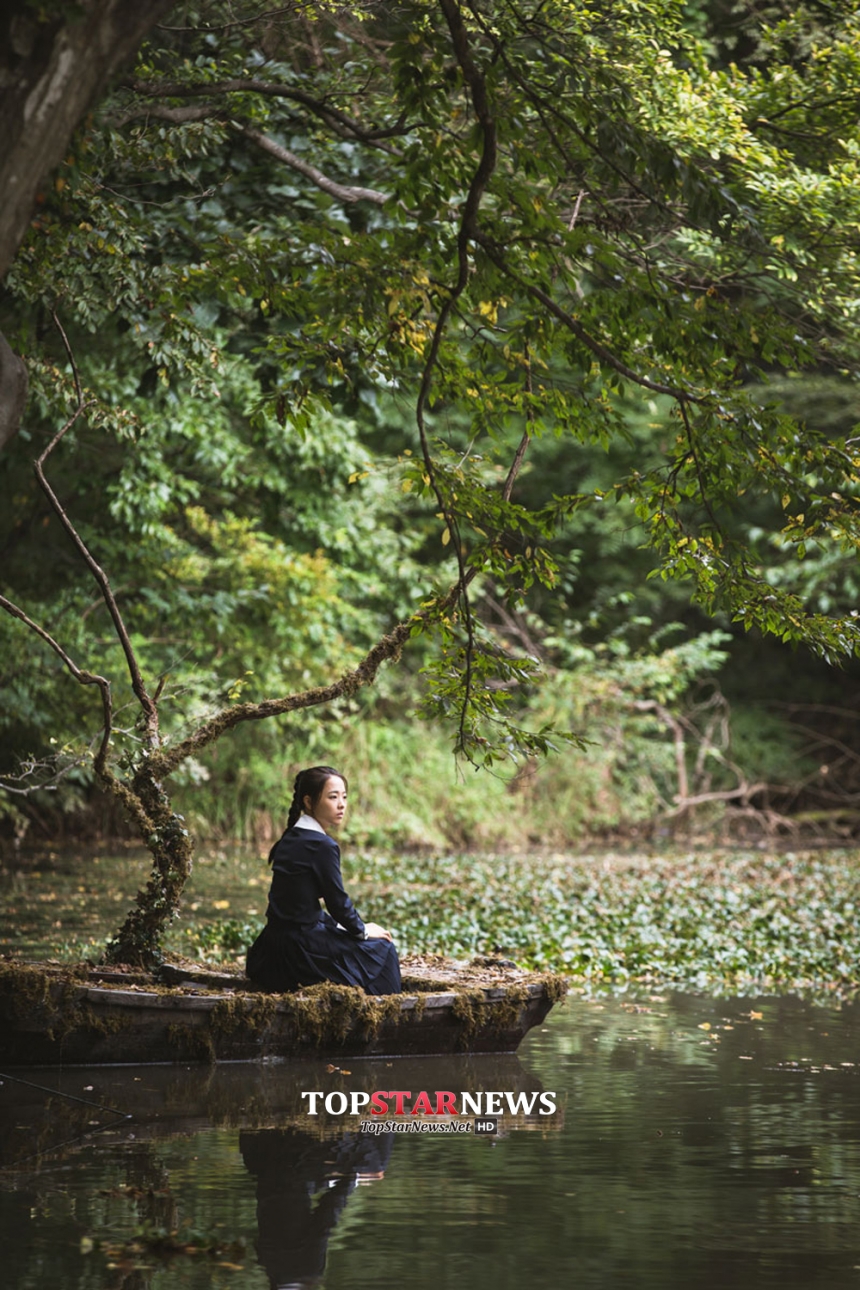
(349, 313)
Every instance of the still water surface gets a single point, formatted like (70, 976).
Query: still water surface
(697, 1143)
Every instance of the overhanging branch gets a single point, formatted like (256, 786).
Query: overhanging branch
(390, 645)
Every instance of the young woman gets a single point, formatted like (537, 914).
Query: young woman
(301, 944)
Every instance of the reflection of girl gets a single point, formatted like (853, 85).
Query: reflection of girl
(303, 1185)
(301, 944)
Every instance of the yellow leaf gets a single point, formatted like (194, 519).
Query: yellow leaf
(705, 1025)
(446, 536)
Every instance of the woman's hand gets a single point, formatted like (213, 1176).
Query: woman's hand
(374, 932)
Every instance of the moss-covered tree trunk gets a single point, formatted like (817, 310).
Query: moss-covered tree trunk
(138, 941)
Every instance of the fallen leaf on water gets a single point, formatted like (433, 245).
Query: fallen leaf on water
(704, 1025)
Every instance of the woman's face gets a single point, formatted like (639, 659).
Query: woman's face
(330, 807)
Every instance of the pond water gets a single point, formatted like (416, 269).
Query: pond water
(67, 903)
(696, 1142)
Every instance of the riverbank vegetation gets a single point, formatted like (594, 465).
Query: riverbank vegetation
(433, 374)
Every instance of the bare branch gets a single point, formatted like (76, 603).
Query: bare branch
(72, 363)
(514, 625)
(177, 115)
(575, 214)
(668, 719)
(340, 192)
(149, 709)
(80, 674)
(17, 784)
(743, 792)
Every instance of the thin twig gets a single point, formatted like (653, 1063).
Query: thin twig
(575, 214)
(691, 443)
(226, 26)
(527, 434)
(72, 363)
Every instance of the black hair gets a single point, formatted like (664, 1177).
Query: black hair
(310, 783)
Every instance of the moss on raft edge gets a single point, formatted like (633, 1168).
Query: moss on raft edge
(316, 1015)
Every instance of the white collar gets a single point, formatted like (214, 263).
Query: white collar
(306, 821)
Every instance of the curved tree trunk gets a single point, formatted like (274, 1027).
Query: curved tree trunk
(138, 941)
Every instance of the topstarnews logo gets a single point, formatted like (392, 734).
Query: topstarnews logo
(440, 1102)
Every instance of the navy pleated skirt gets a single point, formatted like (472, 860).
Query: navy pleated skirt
(286, 956)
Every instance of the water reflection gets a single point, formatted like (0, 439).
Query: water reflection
(705, 1142)
(303, 1184)
(46, 1109)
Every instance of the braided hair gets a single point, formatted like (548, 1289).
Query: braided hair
(310, 783)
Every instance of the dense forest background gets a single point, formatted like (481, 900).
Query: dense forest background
(208, 262)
